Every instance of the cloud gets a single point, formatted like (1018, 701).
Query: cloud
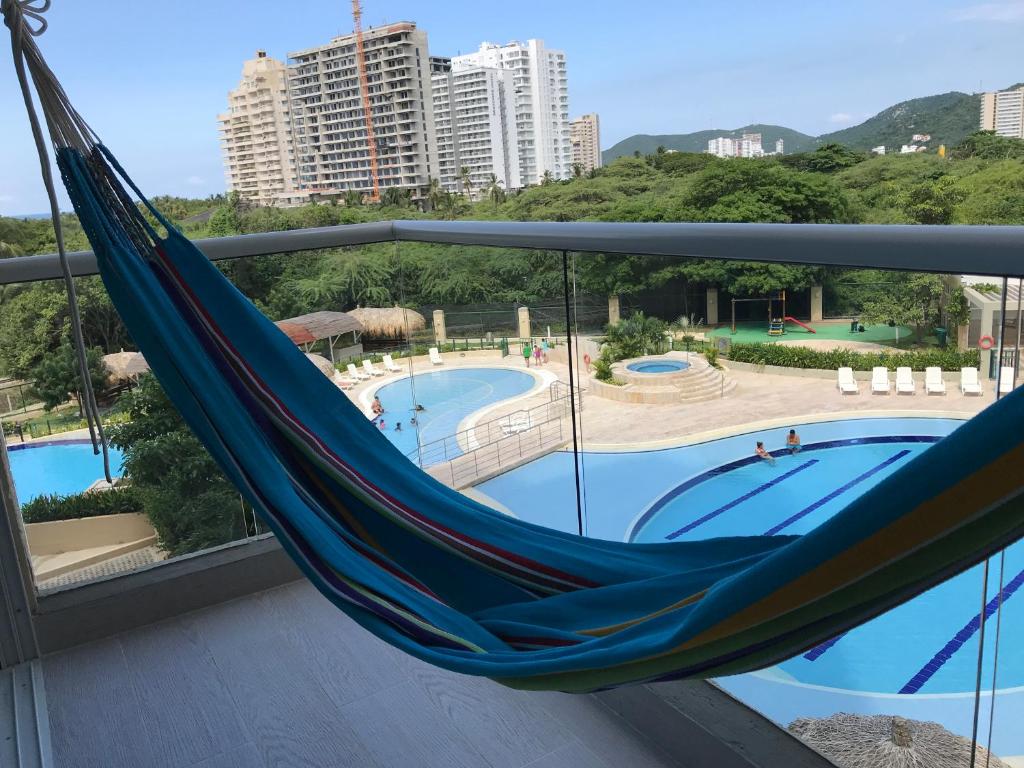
(1004, 10)
(6, 198)
(195, 181)
(840, 117)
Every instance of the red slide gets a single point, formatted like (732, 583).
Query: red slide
(802, 325)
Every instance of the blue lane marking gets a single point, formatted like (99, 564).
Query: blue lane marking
(735, 502)
(819, 650)
(960, 638)
(836, 493)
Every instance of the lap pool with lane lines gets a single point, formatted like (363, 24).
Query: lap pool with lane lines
(919, 659)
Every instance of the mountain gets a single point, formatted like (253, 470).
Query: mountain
(698, 142)
(947, 117)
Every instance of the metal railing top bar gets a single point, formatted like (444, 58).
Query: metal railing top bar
(976, 250)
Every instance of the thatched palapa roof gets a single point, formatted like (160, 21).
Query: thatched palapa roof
(886, 741)
(311, 327)
(388, 322)
(325, 366)
(125, 365)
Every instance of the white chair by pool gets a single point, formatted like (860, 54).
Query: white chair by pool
(515, 423)
(880, 379)
(933, 382)
(845, 381)
(969, 384)
(905, 381)
(435, 356)
(1006, 378)
(355, 373)
(389, 365)
(343, 381)
(371, 369)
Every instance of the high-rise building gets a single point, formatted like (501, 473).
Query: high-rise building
(747, 146)
(541, 101)
(780, 147)
(328, 122)
(1003, 112)
(255, 134)
(474, 109)
(585, 134)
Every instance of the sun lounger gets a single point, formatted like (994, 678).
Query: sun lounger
(389, 365)
(515, 423)
(933, 382)
(1006, 379)
(905, 381)
(356, 374)
(343, 381)
(371, 369)
(969, 384)
(880, 379)
(845, 381)
(435, 356)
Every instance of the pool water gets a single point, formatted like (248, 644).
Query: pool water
(668, 366)
(447, 397)
(57, 468)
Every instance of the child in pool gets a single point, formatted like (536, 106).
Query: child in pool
(761, 451)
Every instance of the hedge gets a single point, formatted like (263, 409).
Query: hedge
(47, 508)
(788, 356)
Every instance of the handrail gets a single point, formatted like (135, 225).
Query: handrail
(976, 250)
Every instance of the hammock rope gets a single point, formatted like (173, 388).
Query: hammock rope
(458, 584)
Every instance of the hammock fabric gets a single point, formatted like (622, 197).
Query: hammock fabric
(466, 588)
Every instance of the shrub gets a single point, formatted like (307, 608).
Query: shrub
(603, 367)
(47, 508)
(711, 355)
(801, 357)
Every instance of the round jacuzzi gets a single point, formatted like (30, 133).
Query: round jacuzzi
(658, 366)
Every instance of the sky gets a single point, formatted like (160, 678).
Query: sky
(151, 78)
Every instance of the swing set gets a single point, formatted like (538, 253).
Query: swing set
(776, 322)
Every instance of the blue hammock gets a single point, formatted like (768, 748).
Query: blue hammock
(469, 589)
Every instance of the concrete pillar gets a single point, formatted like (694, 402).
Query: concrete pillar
(613, 310)
(440, 332)
(816, 312)
(524, 323)
(712, 311)
(988, 316)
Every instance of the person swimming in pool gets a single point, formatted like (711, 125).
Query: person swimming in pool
(793, 442)
(762, 452)
(398, 427)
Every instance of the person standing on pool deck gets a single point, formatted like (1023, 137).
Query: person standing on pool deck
(536, 355)
(527, 351)
(544, 349)
(761, 451)
(793, 442)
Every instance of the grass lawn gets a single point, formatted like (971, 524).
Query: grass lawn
(750, 332)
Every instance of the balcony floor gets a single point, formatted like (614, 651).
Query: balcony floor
(282, 678)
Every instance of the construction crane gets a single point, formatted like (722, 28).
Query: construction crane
(364, 90)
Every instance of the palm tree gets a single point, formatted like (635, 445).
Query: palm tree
(8, 249)
(451, 206)
(494, 190)
(353, 198)
(547, 178)
(577, 170)
(395, 197)
(434, 193)
(465, 182)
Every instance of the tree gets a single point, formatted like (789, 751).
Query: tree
(56, 378)
(577, 170)
(353, 198)
(465, 181)
(932, 202)
(636, 335)
(395, 197)
(187, 498)
(434, 193)
(451, 206)
(988, 145)
(494, 191)
(914, 299)
(547, 178)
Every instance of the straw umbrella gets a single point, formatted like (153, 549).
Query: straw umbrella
(388, 322)
(326, 366)
(123, 366)
(887, 741)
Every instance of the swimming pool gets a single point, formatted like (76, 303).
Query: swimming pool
(447, 397)
(658, 366)
(918, 660)
(63, 467)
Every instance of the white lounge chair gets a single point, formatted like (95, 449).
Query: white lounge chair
(933, 381)
(435, 356)
(356, 374)
(845, 381)
(389, 365)
(905, 381)
(371, 369)
(880, 379)
(515, 423)
(1006, 378)
(343, 381)
(969, 384)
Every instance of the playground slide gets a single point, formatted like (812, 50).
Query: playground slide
(802, 325)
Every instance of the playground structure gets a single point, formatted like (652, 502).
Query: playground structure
(776, 322)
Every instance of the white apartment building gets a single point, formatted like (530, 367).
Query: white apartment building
(879, 150)
(475, 112)
(541, 100)
(780, 147)
(585, 135)
(255, 134)
(328, 124)
(1003, 112)
(747, 146)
